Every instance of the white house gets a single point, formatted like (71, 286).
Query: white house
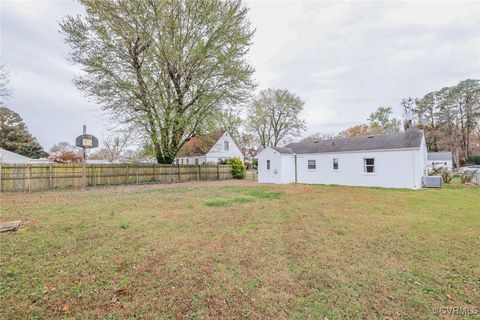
(212, 149)
(440, 159)
(392, 160)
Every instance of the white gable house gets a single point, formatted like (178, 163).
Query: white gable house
(222, 148)
(440, 160)
(392, 161)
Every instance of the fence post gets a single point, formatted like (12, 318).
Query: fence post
(154, 175)
(50, 178)
(178, 172)
(94, 175)
(29, 172)
(126, 182)
(137, 173)
(1, 174)
(218, 172)
(199, 177)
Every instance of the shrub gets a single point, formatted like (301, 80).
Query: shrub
(474, 159)
(467, 176)
(238, 168)
(447, 176)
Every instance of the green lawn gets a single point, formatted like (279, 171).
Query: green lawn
(240, 250)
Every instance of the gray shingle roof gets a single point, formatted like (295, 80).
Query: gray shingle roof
(11, 157)
(404, 140)
(439, 156)
(283, 150)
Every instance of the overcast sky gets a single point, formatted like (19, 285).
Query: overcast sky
(343, 59)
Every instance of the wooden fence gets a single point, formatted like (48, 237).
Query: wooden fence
(31, 177)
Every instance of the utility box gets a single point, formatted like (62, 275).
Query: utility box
(432, 182)
(476, 177)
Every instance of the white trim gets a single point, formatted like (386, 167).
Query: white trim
(365, 166)
(308, 165)
(333, 165)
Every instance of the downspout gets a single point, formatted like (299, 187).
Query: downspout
(295, 156)
(414, 170)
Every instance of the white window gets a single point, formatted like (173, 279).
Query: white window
(225, 145)
(312, 164)
(369, 165)
(268, 164)
(335, 163)
(196, 161)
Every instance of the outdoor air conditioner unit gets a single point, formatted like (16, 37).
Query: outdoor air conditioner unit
(476, 178)
(432, 182)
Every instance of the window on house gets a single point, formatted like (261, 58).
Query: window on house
(369, 165)
(268, 164)
(312, 164)
(335, 163)
(182, 161)
(225, 145)
(177, 161)
(187, 161)
(196, 161)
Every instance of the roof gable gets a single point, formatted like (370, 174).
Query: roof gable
(199, 145)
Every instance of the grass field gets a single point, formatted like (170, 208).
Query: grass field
(240, 250)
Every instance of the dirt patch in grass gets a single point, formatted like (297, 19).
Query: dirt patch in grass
(237, 249)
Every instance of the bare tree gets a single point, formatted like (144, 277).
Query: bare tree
(113, 147)
(274, 116)
(5, 92)
(382, 119)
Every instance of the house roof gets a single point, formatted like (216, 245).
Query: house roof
(440, 156)
(12, 157)
(404, 140)
(199, 145)
(283, 150)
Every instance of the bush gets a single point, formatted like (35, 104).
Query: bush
(467, 177)
(255, 163)
(474, 159)
(447, 176)
(238, 168)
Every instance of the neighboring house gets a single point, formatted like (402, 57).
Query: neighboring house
(392, 160)
(440, 159)
(12, 157)
(208, 149)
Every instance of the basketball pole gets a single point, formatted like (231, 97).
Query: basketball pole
(84, 161)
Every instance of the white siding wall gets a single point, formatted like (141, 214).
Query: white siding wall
(274, 174)
(288, 168)
(218, 150)
(437, 163)
(191, 160)
(393, 169)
